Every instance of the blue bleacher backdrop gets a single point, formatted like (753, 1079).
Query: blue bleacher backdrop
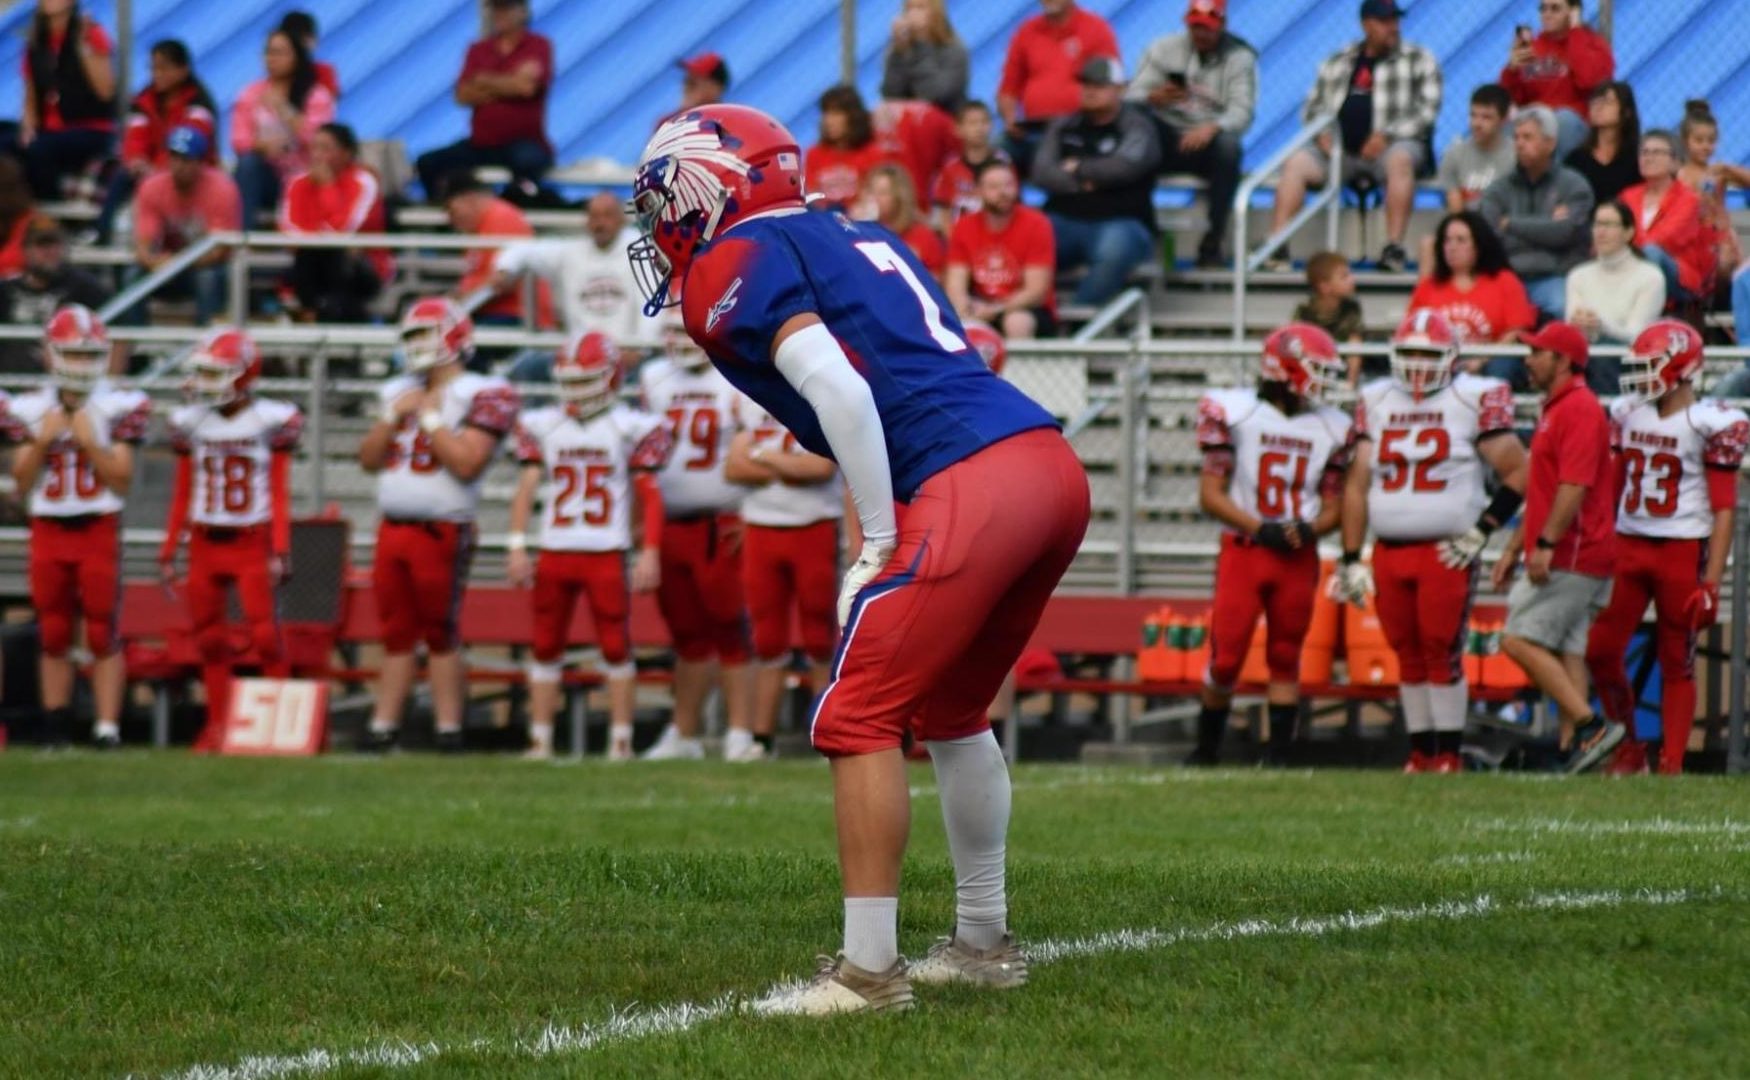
(398, 58)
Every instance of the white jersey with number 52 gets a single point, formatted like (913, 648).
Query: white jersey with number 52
(700, 407)
(1427, 480)
(586, 496)
(1279, 463)
(781, 505)
(1665, 462)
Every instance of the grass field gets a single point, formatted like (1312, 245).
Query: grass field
(425, 917)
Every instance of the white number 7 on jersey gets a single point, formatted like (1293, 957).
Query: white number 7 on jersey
(888, 261)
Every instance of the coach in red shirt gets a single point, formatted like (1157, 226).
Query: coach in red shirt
(1002, 258)
(1569, 539)
(505, 80)
(1039, 74)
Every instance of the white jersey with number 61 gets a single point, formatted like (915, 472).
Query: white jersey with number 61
(1427, 479)
(1280, 464)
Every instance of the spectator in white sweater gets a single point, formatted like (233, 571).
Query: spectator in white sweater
(591, 280)
(1617, 294)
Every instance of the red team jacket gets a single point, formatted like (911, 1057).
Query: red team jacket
(353, 203)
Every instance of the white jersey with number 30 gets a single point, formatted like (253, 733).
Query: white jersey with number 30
(587, 494)
(232, 458)
(1665, 462)
(1427, 480)
(1279, 463)
(68, 486)
(700, 407)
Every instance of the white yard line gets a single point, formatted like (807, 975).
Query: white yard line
(634, 1023)
(1657, 826)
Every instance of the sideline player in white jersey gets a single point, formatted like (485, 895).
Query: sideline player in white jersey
(75, 458)
(586, 456)
(439, 426)
(1677, 461)
(232, 497)
(794, 506)
(1424, 436)
(701, 591)
(1273, 461)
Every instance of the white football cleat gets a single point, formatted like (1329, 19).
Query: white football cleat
(746, 755)
(538, 752)
(840, 986)
(1000, 967)
(672, 747)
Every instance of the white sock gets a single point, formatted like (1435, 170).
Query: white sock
(872, 931)
(973, 780)
(736, 741)
(383, 726)
(107, 729)
(1418, 709)
(619, 732)
(1450, 706)
(541, 735)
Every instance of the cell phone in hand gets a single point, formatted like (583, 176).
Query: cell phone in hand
(1522, 34)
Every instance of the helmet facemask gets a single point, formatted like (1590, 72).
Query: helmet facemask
(1421, 372)
(1643, 378)
(78, 369)
(215, 383)
(423, 348)
(584, 393)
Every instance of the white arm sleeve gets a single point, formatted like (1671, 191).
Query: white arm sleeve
(812, 361)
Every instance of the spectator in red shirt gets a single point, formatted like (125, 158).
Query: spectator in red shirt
(917, 135)
(1569, 540)
(1002, 259)
(1472, 285)
(834, 167)
(173, 98)
(302, 25)
(1560, 67)
(337, 195)
(1040, 72)
(505, 80)
(1669, 223)
(69, 95)
(889, 199)
(955, 191)
(179, 205)
(15, 214)
(475, 211)
(274, 120)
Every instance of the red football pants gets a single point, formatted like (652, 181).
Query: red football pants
(561, 577)
(1666, 572)
(981, 547)
(1424, 609)
(75, 570)
(1250, 581)
(700, 593)
(792, 568)
(221, 557)
(420, 570)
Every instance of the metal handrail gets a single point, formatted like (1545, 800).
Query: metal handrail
(125, 300)
(1246, 261)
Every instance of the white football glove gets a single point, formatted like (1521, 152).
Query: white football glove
(1460, 551)
(866, 569)
(1351, 584)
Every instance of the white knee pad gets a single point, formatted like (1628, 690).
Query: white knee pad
(544, 674)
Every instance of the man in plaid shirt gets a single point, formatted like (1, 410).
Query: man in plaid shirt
(1385, 94)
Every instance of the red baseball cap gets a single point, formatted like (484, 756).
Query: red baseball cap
(1563, 339)
(706, 66)
(1210, 13)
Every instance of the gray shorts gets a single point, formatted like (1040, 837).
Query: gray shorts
(1557, 614)
(1354, 166)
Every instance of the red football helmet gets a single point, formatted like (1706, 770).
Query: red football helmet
(1305, 357)
(435, 331)
(984, 338)
(76, 346)
(702, 172)
(1664, 356)
(587, 373)
(226, 364)
(1424, 352)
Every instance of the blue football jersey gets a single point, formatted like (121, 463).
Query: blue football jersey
(938, 402)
